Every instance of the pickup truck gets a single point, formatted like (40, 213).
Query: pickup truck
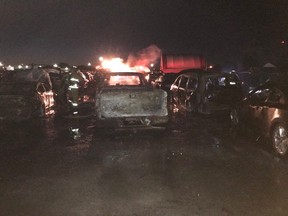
(125, 99)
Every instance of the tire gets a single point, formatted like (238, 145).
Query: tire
(279, 137)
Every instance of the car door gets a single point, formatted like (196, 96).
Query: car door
(257, 107)
(50, 101)
(206, 94)
(174, 90)
(47, 96)
(271, 109)
(191, 97)
(182, 91)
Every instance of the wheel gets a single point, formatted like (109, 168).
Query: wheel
(280, 139)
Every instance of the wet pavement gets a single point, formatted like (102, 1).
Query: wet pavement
(69, 167)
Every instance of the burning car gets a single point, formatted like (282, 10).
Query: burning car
(25, 95)
(125, 99)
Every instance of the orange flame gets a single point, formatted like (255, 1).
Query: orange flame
(118, 65)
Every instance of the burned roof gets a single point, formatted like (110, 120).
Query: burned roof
(30, 75)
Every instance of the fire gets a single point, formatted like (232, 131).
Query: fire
(139, 62)
(118, 65)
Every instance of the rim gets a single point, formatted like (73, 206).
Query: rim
(234, 117)
(280, 140)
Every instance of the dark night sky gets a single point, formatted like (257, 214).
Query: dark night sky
(78, 31)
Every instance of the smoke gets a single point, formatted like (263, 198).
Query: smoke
(145, 57)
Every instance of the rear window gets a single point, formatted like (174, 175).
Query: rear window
(123, 80)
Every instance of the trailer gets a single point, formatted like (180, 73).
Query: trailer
(174, 63)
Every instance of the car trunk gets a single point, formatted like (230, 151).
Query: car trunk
(119, 103)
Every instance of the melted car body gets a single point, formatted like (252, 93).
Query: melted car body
(23, 101)
(26, 94)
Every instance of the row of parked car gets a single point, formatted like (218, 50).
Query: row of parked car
(264, 110)
(41, 92)
(261, 110)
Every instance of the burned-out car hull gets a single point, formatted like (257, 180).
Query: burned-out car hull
(24, 101)
(132, 105)
(205, 92)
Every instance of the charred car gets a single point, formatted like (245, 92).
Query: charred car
(205, 92)
(25, 95)
(264, 112)
(125, 99)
